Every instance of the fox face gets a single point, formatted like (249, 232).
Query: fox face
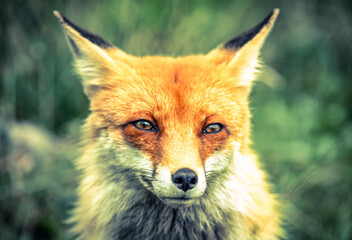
(168, 125)
(173, 116)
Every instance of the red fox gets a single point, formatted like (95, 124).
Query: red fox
(167, 143)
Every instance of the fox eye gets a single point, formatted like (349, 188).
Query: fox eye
(145, 125)
(212, 128)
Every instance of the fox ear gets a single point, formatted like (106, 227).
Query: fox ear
(238, 58)
(91, 52)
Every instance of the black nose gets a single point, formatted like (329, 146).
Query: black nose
(185, 179)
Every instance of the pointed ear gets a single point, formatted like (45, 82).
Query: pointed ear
(92, 55)
(238, 58)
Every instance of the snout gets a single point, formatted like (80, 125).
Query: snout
(185, 179)
(179, 188)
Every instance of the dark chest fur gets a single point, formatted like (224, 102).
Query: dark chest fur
(154, 220)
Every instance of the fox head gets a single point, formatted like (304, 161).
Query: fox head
(170, 125)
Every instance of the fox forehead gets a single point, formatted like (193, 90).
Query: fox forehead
(183, 89)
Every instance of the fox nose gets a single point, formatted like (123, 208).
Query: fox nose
(185, 179)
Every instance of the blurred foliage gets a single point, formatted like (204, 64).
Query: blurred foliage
(301, 105)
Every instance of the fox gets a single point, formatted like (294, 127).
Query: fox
(166, 146)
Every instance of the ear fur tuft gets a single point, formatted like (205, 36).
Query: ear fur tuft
(93, 38)
(238, 59)
(242, 39)
(92, 55)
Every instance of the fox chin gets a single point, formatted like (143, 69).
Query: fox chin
(167, 143)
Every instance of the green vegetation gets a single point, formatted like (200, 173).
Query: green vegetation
(301, 104)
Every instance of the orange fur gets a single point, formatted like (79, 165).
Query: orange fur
(128, 188)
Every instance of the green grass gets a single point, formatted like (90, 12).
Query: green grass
(301, 105)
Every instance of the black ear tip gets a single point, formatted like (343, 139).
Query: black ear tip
(242, 39)
(274, 13)
(62, 19)
(276, 10)
(59, 16)
(67, 24)
(271, 17)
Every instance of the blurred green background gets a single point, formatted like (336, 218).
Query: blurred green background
(301, 104)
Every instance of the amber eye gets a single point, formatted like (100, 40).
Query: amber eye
(145, 125)
(212, 128)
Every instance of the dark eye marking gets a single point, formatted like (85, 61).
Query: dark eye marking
(213, 128)
(145, 125)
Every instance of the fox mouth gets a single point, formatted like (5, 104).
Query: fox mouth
(179, 198)
(178, 201)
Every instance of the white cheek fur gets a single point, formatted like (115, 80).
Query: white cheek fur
(220, 160)
(124, 155)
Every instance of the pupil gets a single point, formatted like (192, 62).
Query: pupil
(214, 128)
(145, 125)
